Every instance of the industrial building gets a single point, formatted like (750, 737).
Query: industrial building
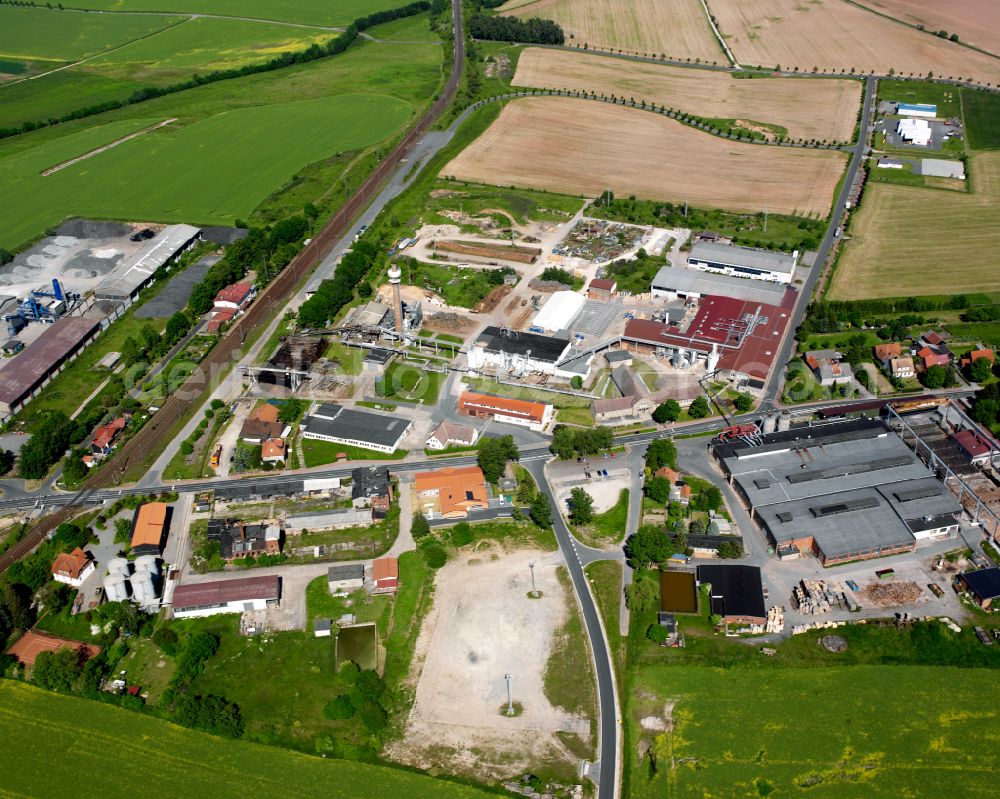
(356, 428)
(737, 593)
(137, 272)
(914, 131)
(149, 528)
(24, 375)
(452, 492)
(335, 519)
(558, 312)
(842, 491)
(744, 262)
(509, 350)
(238, 539)
(226, 596)
(533, 415)
(737, 338)
(926, 110)
(674, 283)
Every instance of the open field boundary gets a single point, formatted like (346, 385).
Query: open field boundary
(108, 146)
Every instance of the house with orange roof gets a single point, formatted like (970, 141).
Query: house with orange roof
(273, 450)
(149, 528)
(72, 568)
(885, 352)
(105, 435)
(533, 415)
(975, 355)
(452, 492)
(385, 574)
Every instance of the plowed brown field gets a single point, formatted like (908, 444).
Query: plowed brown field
(911, 240)
(578, 146)
(678, 29)
(975, 21)
(834, 35)
(808, 109)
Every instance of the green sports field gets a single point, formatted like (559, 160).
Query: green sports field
(850, 731)
(306, 12)
(211, 171)
(60, 747)
(44, 34)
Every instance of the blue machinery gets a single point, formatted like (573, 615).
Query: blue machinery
(31, 310)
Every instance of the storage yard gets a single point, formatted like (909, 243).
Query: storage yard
(816, 109)
(679, 30)
(840, 37)
(531, 145)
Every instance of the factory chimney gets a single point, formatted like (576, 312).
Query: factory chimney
(395, 273)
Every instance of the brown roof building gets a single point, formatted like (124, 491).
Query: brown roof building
(23, 375)
(226, 596)
(534, 415)
(385, 574)
(72, 568)
(452, 492)
(149, 528)
(273, 450)
(883, 352)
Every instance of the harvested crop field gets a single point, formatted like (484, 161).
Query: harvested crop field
(576, 146)
(836, 36)
(808, 109)
(976, 22)
(905, 238)
(678, 29)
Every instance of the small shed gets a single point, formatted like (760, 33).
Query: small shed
(347, 577)
(385, 574)
(322, 628)
(983, 586)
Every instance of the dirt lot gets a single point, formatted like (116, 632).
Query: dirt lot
(481, 627)
(837, 36)
(678, 29)
(824, 109)
(897, 237)
(631, 151)
(974, 21)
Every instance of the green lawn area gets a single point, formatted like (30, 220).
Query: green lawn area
(35, 720)
(147, 666)
(987, 332)
(407, 382)
(982, 116)
(460, 286)
(611, 523)
(580, 416)
(66, 625)
(59, 93)
(605, 578)
(308, 12)
(44, 34)
(239, 157)
(945, 97)
(874, 731)
(450, 338)
(489, 386)
(318, 453)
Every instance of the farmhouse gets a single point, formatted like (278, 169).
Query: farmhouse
(273, 450)
(24, 375)
(30, 645)
(929, 357)
(452, 434)
(149, 528)
(136, 272)
(737, 593)
(370, 488)
(975, 355)
(335, 519)
(356, 428)
(104, 438)
(512, 351)
(884, 352)
(385, 574)
(533, 415)
(841, 491)
(902, 368)
(738, 338)
(72, 568)
(452, 492)
(345, 577)
(674, 283)
(829, 368)
(983, 586)
(559, 311)
(742, 262)
(261, 424)
(226, 596)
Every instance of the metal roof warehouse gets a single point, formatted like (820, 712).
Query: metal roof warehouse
(742, 261)
(138, 270)
(25, 374)
(332, 422)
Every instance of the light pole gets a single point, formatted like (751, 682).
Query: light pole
(510, 700)
(531, 566)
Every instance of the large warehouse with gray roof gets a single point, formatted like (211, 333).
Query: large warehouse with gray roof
(843, 491)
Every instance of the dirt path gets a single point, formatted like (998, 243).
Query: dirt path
(115, 143)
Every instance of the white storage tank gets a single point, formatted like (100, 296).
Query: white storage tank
(119, 566)
(115, 588)
(784, 422)
(142, 588)
(770, 424)
(147, 563)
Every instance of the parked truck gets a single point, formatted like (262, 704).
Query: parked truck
(216, 456)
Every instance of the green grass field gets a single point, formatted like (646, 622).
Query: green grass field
(318, 453)
(945, 97)
(191, 762)
(873, 731)
(305, 12)
(982, 119)
(211, 171)
(44, 34)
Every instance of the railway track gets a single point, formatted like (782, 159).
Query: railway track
(274, 296)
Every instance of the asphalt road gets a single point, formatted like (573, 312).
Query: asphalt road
(607, 699)
(773, 384)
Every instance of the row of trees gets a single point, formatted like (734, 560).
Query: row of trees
(314, 52)
(334, 293)
(831, 316)
(512, 29)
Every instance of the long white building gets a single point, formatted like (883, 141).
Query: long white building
(744, 262)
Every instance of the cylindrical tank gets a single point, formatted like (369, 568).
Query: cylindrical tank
(142, 587)
(147, 563)
(770, 423)
(784, 422)
(115, 588)
(119, 566)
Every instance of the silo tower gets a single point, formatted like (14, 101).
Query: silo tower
(395, 274)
